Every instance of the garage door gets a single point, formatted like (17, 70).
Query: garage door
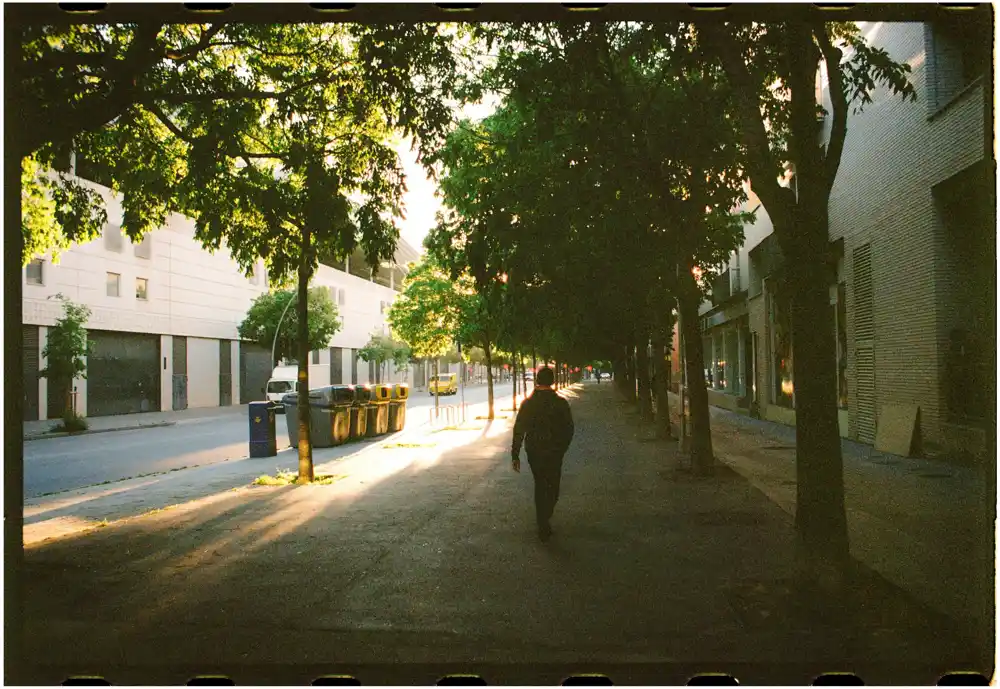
(123, 373)
(29, 338)
(255, 371)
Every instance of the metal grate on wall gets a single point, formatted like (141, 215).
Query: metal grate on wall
(864, 294)
(864, 340)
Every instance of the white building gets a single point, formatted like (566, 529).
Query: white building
(164, 322)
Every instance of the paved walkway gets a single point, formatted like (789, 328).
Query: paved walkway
(428, 563)
(927, 526)
(75, 511)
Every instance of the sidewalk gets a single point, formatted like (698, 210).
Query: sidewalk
(33, 430)
(412, 567)
(927, 526)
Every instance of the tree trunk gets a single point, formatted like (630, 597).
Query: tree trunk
(820, 519)
(524, 380)
(302, 311)
(642, 378)
(437, 381)
(513, 380)
(702, 458)
(69, 412)
(661, 371)
(630, 372)
(489, 379)
(558, 369)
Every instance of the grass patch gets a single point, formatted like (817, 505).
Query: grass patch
(460, 428)
(158, 510)
(287, 478)
(393, 446)
(496, 417)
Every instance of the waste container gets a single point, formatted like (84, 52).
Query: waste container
(397, 406)
(359, 411)
(263, 439)
(341, 399)
(378, 410)
(291, 403)
(321, 416)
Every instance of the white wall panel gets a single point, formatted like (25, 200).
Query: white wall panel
(203, 372)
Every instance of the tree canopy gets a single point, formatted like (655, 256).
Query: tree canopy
(261, 322)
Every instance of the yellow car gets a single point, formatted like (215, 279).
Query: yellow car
(444, 384)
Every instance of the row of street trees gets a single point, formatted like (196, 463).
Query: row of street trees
(581, 218)
(592, 207)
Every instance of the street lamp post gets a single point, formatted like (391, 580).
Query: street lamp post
(277, 330)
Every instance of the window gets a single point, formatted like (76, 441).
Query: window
(114, 284)
(960, 51)
(144, 249)
(381, 307)
(315, 356)
(279, 386)
(141, 286)
(113, 238)
(33, 272)
(340, 297)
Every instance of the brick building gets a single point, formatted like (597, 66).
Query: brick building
(912, 231)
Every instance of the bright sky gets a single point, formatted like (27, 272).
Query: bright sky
(420, 203)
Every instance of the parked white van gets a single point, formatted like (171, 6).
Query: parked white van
(283, 381)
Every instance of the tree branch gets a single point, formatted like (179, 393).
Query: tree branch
(248, 94)
(180, 57)
(50, 124)
(834, 150)
(762, 166)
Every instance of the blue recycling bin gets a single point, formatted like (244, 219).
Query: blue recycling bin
(263, 440)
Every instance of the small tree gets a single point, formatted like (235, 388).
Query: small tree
(64, 354)
(262, 321)
(426, 315)
(381, 349)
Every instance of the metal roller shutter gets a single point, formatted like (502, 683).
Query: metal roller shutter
(864, 344)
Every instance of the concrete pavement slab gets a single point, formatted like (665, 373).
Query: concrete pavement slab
(404, 566)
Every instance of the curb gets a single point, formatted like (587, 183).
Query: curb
(44, 436)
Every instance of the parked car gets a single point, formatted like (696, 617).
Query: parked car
(443, 384)
(529, 375)
(605, 375)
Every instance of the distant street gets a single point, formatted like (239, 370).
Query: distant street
(59, 464)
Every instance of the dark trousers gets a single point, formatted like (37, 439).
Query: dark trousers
(547, 470)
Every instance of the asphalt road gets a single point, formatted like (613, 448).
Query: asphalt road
(58, 464)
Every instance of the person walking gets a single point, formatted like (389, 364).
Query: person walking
(545, 424)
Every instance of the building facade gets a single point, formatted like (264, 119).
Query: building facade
(913, 238)
(164, 318)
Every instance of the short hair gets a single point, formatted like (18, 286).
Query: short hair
(545, 376)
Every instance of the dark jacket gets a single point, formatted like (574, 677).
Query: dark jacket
(545, 419)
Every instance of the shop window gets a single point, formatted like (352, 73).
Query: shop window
(781, 334)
